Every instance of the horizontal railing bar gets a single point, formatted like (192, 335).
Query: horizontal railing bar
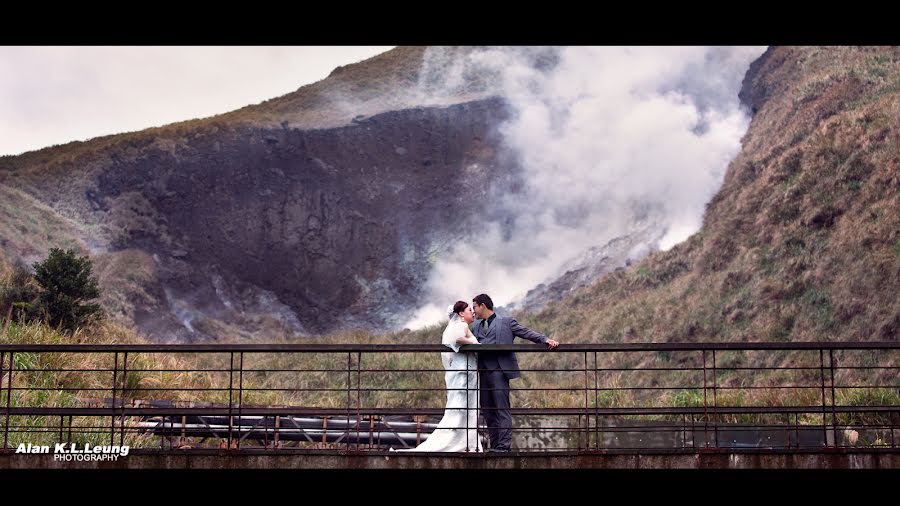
(393, 348)
(521, 369)
(342, 412)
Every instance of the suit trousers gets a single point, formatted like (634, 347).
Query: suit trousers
(495, 408)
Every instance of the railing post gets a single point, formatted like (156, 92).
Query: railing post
(275, 438)
(230, 399)
(358, 395)
(112, 428)
(822, 377)
(705, 411)
(599, 433)
(787, 430)
(478, 414)
(833, 407)
(715, 400)
(467, 404)
(892, 428)
(124, 387)
(240, 399)
(6, 415)
(587, 411)
(349, 386)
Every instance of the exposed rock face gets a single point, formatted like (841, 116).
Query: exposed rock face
(753, 90)
(308, 213)
(317, 230)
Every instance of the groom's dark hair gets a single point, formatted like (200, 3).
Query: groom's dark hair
(484, 299)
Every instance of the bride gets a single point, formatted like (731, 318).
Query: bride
(457, 432)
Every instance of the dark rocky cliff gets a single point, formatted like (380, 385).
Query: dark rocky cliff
(310, 230)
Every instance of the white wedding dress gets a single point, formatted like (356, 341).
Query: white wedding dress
(458, 430)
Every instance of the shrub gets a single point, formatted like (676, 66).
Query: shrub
(66, 287)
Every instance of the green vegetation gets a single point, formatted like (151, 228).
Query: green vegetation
(58, 293)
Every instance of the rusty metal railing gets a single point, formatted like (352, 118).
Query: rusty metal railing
(653, 397)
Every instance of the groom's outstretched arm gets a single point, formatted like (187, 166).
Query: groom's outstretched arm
(526, 333)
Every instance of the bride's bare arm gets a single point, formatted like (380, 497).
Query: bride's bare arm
(468, 338)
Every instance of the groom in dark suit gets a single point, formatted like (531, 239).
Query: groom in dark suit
(497, 368)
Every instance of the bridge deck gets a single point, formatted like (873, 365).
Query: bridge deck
(329, 459)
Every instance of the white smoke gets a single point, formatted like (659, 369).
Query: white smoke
(605, 136)
(183, 310)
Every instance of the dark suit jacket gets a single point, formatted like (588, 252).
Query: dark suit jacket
(502, 331)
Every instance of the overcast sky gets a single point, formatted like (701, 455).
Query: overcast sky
(54, 95)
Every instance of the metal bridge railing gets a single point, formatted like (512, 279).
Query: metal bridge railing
(654, 397)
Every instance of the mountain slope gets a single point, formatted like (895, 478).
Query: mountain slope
(801, 243)
(274, 218)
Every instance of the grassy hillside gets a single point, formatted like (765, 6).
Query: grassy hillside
(802, 243)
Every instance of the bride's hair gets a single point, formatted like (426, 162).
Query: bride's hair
(456, 308)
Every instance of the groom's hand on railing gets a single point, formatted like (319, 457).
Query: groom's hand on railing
(552, 344)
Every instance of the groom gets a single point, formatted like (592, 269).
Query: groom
(497, 368)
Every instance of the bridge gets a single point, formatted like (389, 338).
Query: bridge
(631, 405)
